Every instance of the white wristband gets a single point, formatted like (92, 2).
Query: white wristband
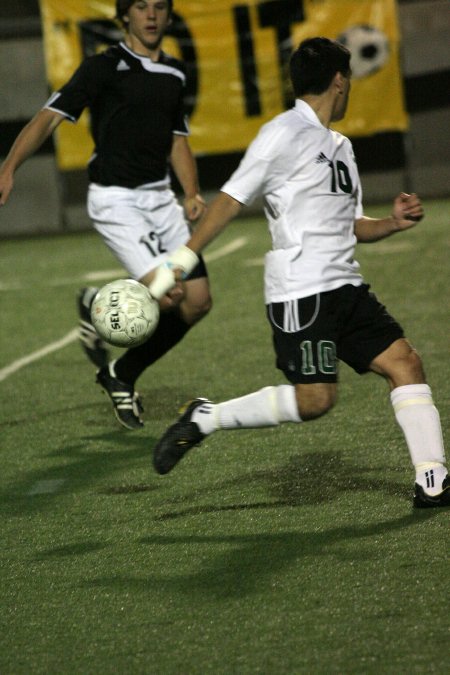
(163, 281)
(184, 258)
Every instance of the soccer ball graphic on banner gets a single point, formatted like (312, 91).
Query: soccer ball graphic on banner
(369, 47)
(124, 313)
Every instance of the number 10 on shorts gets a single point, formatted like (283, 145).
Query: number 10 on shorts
(325, 361)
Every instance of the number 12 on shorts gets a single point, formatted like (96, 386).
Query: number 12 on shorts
(152, 242)
(324, 360)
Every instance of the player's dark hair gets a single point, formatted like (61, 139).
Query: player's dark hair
(122, 7)
(314, 64)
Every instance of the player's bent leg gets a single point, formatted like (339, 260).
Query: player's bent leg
(419, 420)
(267, 407)
(197, 301)
(399, 364)
(93, 346)
(126, 402)
(314, 400)
(172, 327)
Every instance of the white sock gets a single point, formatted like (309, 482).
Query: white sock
(264, 408)
(421, 425)
(430, 477)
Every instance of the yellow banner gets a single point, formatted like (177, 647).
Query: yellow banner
(237, 55)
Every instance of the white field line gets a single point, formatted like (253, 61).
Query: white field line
(254, 262)
(39, 354)
(46, 487)
(90, 276)
(384, 247)
(73, 335)
(118, 272)
(233, 246)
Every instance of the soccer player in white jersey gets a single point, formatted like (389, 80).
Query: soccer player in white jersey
(134, 93)
(318, 305)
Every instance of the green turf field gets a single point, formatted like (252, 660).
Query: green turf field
(288, 550)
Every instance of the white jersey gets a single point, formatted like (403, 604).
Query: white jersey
(308, 178)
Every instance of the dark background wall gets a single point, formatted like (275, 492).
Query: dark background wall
(45, 200)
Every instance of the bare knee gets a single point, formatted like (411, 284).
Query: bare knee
(194, 313)
(314, 400)
(399, 364)
(197, 301)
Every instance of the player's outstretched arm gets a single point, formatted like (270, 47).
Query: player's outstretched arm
(407, 211)
(27, 142)
(221, 210)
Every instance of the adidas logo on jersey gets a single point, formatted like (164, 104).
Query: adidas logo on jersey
(321, 157)
(123, 65)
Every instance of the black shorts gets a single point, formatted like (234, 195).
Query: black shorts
(198, 271)
(312, 334)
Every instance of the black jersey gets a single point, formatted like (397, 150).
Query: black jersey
(135, 106)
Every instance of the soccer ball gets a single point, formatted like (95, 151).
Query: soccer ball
(369, 47)
(124, 313)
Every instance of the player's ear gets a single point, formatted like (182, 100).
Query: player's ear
(338, 82)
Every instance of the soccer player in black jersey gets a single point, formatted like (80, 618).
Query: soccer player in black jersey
(134, 93)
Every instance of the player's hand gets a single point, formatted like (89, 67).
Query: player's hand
(194, 207)
(178, 266)
(172, 298)
(407, 211)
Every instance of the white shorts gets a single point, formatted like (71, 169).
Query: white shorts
(139, 225)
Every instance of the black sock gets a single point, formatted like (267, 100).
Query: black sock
(171, 329)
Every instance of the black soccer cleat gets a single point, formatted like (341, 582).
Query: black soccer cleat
(424, 501)
(178, 439)
(93, 346)
(126, 402)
